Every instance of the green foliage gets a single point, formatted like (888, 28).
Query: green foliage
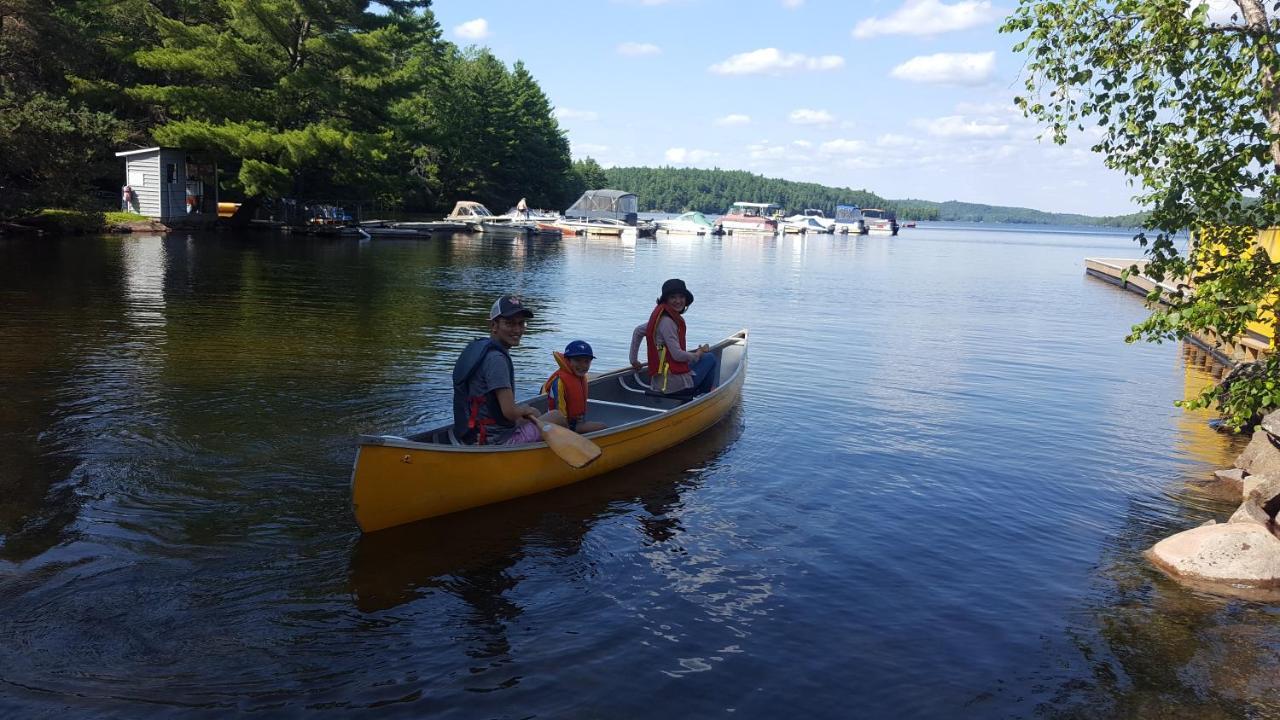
(668, 189)
(53, 150)
(675, 190)
(314, 99)
(587, 175)
(67, 221)
(1190, 111)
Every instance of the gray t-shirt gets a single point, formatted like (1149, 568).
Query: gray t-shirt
(492, 375)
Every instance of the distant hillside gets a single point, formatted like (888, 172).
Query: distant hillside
(673, 190)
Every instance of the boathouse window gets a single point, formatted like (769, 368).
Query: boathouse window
(171, 173)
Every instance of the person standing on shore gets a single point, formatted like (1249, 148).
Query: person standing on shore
(126, 198)
(522, 209)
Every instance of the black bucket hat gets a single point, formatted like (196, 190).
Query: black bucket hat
(672, 286)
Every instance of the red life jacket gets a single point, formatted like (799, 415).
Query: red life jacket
(662, 364)
(573, 402)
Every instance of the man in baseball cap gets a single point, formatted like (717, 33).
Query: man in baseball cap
(485, 411)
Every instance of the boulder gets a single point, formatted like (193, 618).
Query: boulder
(1260, 456)
(1231, 480)
(1253, 482)
(1271, 423)
(1251, 512)
(1239, 553)
(1266, 493)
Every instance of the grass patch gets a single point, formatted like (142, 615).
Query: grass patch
(116, 217)
(63, 221)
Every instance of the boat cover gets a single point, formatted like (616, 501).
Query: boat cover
(612, 204)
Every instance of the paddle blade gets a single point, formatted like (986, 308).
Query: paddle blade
(574, 449)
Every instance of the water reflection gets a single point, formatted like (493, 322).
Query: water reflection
(1155, 647)
(473, 550)
(480, 557)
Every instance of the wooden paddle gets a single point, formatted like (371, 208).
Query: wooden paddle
(572, 448)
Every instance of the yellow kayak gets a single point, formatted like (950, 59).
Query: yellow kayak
(402, 479)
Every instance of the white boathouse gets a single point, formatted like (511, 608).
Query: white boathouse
(170, 184)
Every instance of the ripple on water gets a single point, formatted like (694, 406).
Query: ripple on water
(942, 474)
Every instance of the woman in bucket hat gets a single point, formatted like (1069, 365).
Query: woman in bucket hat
(673, 370)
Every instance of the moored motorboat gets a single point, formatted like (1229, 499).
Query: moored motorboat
(827, 224)
(849, 220)
(402, 479)
(596, 226)
(749, 217)
(690, 223)
(884, 222)
(801, 224)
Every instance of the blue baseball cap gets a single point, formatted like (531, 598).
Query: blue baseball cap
(578, 348)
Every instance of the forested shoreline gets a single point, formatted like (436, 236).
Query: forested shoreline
(673, 190)
(318, 101)
(327, 102)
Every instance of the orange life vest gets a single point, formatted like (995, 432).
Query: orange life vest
(660, 363)
(570, 397)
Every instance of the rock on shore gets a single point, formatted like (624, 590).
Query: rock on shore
(1242, 554)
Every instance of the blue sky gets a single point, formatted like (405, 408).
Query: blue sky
(905, 98)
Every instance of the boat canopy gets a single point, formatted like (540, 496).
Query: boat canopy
(877, 213)
(610, 204)
(848, 213)
(467, 208)
(752, 209)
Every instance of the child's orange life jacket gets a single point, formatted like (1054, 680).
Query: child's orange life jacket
(566, 391)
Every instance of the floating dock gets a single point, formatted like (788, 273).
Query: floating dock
(1247, 348)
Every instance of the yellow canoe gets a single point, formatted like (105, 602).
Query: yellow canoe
(402, 479)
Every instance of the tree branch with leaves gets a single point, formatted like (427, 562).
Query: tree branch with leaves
(1187, 106)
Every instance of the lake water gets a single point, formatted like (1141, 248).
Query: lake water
(931, 502)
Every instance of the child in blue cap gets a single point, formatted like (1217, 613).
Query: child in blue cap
(566, 389)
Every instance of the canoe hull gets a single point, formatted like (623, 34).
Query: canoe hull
(397, 481)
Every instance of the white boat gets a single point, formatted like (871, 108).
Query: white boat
(597, 226)
(690, 223)
(828, 224)
(849, 220)
(749, 217)
(881, 222)
(478, 219)
(540, 221)
(801, 224)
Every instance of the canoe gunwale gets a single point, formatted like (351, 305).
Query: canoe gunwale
(737, 338)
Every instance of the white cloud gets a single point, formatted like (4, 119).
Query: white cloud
(958, 126)
(682, 155)
(792, 4)
(990, 108)
(772, 61)
(571, 114)
(765, 151)
(802, 143)
(589, 148)
(477, 29)
(893, 140)
(843, 146)
(805, 116)
(635, 49)
(734, 119)
(948, 68)
(928, 17)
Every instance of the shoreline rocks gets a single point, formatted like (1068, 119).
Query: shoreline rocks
(1242, 555)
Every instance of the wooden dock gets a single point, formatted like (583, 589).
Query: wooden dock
(1247, 348)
